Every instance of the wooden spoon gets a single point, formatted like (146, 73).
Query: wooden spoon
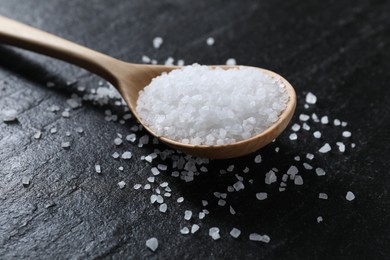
(130, 78)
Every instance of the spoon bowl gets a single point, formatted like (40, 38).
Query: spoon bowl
(130, 79)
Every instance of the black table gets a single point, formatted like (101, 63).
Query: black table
(338, 50)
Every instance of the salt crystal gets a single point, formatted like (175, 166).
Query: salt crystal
(180, 200)
(214, 233)
(126, 155)
(257, 159)
(261, 238)
(346, 134)
(115, 155)
(65, 145)
(235, 232)
(324, 120)
(187, 214)
(210, 41)
(194, 228)
(310, 156)
(304, 117)
(163, 207)
(122, 184)
(315, 118)
(180, 62)
(162, 167)
(320, 172)
(270, 177)
(231, 62)
(323, 196)
(317, 134)
(201, 215)
(159, 199)
(185, 231)
(137, 186)
(238, 186)
(221, 202)
(296, 158)
(344, 124)
(232, 211)
(307, 166)
(79, 130)
(147, 187)
(261, 195)
(298, 180)
(150, 179)
(293, 136)
(325, 148)
(293, 170)
(230, 168)
(25, 181)
(157, 42)
(350, 196)
(155, 171)
(118, 141)
(319, 219)
(204, 203)
(341, 146)
(306, 127)
(146, 59)
(152, 243)
(98, 168)
(336, 122)
(53, 130)
(296, 127)
(311, 98)
(38, 135)
(246, 170)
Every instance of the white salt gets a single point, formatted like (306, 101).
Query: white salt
(180, 200)
(270, 177)
(310, 156)
(293, 136)
(131, 138)
(261, 238)
(324, 120)
(163, 207)
(210, 41)
(341, 146)
(152, 243)
(261, 195)
(336, 122)
(320, 172)
(235, 232)
(126, 155)
(317, 134)
(350, 196)
(306, 127)
(319, 219)
(296, 127)
(307, 166)
(194, 228)
(187, 214)
(185, 231)
(122, 184)
(298, 180)
(190, 105)
(238, 186)
(118, 141)
(214, 233)
(257, 159)
(325, 148)
(323, 196)
(137, 186)
(346, 134)
(145, 59)
(38, 135)
(231, 62)
(98, 168)
(304, 117)
(157, 42)
(311, 98)
(65, 145)
(155, 171)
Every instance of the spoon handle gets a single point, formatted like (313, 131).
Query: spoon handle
(30, 38)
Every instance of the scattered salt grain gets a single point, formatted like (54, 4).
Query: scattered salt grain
(201, 215)
(293, 136)
(146, 59)
(38, 135)
(163, 207)
(232, 211)
(298, 180)
(320, 172)
(346, 134)
(231, 62)
(25, 181)
(115, 155)
(319, 219)
(257, 159)
(210, 41)
(304, 117)
(118, 141)
(194, 228)
(306, 127)
(295, 127)
(67, 133)
(214, 233)
(235, 232)
(261, 238)
(324, 120)
(65, 145)
(180, 200)
(137, 186)
(270, 177)
(311, 98)
(185, 231)
(317, 134)
(157, 42)
(204, 203)
(152, 243)
(336, 122)
(238, 186)
(323, 196)
(147, 186)
(341, 146)
(293, 170)
(310, 156)
(350, 196)
(261, 195)
(307, 166)
(180, 62)
(79, 130)
(297, 158)
(53, 130)
(98, 168)
(187, 214)
(221, 202)
(162, 167)
(325, 148)
(150, 179)
(126, 155)
(122, 184)
(155, 171)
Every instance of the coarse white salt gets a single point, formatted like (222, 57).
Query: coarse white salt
(159, 199)
(194, 228)
(131, 138)
(163, 208)
(317, 134)
(270, 177)
(341, 146)
(298, 180)
(246, 169)
(261, 238)
(304, 117)
(153, 198)
(126, 155)
(53, 108)
(152, 243)
(150, 179)
(204, 203)
(117, 141)
(115, 155)
(306, 127)
(190, 105)
(344, 124)
(79, 130)
(67, 133)
(180, 62)
(201, 215)
(210, 41)
(297, 158)
(180, 200)
(221, 202)
(98, 168)
(311, 98)
(214, 233)
(38, 135)
(147, 186)
(238, 186)
(235, 232)
(187, 214)
(295, 127)
(310, 156)
(319, 219)
(146, 59)
(350, 196)
(25, 181)
(185, 231)
(65, 145)
(307, 166)
(323, 196)
(293, 136)
(324, 120)
(325, 148)
(336, 122)
(231, 210)
(315, 117)
(157, 42)
(257, 160)
(169, 61)
(261, 195)
(137, 186)
(320, 172)
(162, 167)
(65, 114)
(293, 170)
(346, 134)
(155, 171)
(53, 130)
(230, 168)
(122, 184)
(231, 62)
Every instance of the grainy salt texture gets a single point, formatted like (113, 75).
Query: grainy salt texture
(261, 238)
(194, 228)
(325, 148)
(235, 232)
(311, 98)
(214, 233)
(152, 243)
(191, 105)
(346, 134)
(261, 195)
(157, 42)
(210, 41)
(231, 62)
(350, 196)
(122, 184)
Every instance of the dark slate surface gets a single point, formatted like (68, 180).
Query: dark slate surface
(338, 50)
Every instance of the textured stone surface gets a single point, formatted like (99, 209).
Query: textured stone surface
(338, 50)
